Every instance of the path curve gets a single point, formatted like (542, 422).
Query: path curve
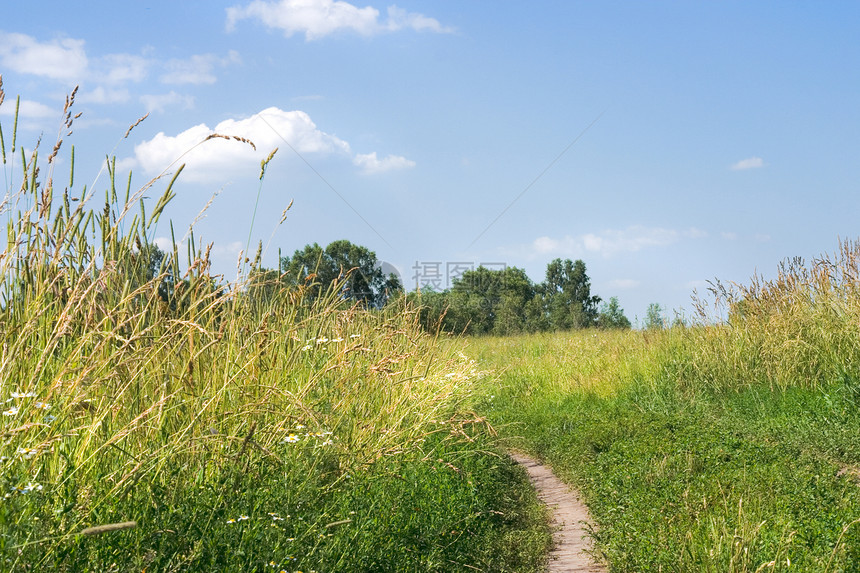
(570, 539)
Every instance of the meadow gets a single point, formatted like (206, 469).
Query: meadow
(156, 418)
(724, 445)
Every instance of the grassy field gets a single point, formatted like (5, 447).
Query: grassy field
(154, 419)
(730, 447)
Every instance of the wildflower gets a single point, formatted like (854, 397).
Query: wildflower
(300, 426)
(23, 394)
(27, 488)
(243, 517)
(306, 347)
(355, 336)
(291, 439)
(42, 406)
(231, 521)
(13, 411)
(27, 453)
(275, 517)
(328, 443)
(48, 419)
(338, 339)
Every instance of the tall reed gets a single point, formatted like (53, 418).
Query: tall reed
(122, 369)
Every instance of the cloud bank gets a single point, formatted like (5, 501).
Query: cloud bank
(267, 129)
(611, 242)
(750, 163)
(319, 18)
(370, 164)
(104, 79)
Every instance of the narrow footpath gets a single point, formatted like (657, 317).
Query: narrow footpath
(570, 540)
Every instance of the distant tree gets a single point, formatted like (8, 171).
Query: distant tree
(353, 268)
(147, 263)
(612, 315)
(264, 286)
(433, 309)
(486, 301)
(566, 295)
(654, 317)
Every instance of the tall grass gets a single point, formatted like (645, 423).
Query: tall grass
(154, 418)
(732, 444)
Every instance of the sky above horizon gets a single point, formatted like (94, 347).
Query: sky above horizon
(665, 144)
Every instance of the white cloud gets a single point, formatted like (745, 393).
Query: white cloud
(198, 69)
(750, 163)
(160, 102)
(318, 18)
(62, 59)
(729, 236)
(212, 159)
(623, 283)
(629, 240)
(31, 110)
(121, 68)
(163, 243)
(105, 95)
(612, 241)
(370, 164)
(696, 284)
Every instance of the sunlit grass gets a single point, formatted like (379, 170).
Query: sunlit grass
(720, 446)
(154, 418)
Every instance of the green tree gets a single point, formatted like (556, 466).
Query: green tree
(567, 298)
(353, 268)
(654, 317)
(486, 301)
(433, 308)
(612, 315)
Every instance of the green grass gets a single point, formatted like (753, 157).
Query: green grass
(240, 427)
(732, 447)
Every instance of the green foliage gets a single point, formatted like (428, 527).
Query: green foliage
(485, 301)
(612, 315)
(654, 317)
(713, 447)
(506, 302)
(241, 427)
(567, 298)
(353, 268)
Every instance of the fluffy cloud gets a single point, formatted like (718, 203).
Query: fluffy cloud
(267, 129)
(613, 241)
(198, 69)
(370, 164)
(750, 163)
(105, 95)
(318, 18)
(63, 59)
(623, 284)
(160, 102)
(104, 77)
(121, 68)
(31, 110)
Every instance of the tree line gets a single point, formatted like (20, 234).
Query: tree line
(506, 301)
(481, 301)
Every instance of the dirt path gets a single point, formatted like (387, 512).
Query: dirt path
(570, 539)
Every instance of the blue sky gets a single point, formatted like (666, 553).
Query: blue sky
(709, 140)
